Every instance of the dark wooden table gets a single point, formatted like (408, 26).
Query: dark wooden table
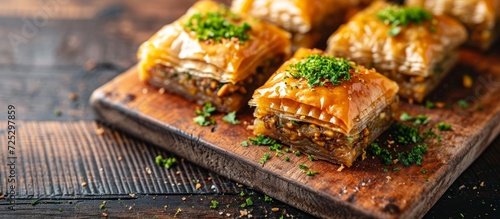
(53, 54)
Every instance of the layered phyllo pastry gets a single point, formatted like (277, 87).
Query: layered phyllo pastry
(481, 17)
(324, 106)
(408, 44)
(307, 20)
(213, 55)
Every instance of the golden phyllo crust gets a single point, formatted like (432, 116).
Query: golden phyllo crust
(307, 20)
(481, 17)
(333, 119)
(409, 45)
(213, 55)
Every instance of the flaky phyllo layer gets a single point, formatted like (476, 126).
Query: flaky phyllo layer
(324, 106)
(404, 43)
(345, 107)
(307, 20)
(183, 46)
(481, 17)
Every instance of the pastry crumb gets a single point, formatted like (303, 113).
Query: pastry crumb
(341, 168)
(99, 131)
(73, 96)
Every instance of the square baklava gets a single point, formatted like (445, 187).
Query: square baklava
(213, 55)
(324, 106)
(408, 44)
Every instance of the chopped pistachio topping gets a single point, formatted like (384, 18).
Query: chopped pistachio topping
(204, 114)
(217, 26)
(405, 135)
(231, 118)
(442, 126)
(214, 204)
(403, 16)
(319, 70)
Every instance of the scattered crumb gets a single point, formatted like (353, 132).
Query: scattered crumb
(388, 177)
(467, 81)
(221, 213)
(390, 141)
(395, 161)
(183, 198)
(131, 195)
(84, 184)
(57, 112)
(90, 65)
(243, 213)
(73, 96)
(154, 197)
(275, 209)
(120, 158)
(481, 184)
(130, 208)
(410, 101)
(250, 127)
(341, 167)
(239, 185)
(99, 131)
(198, 186)
(177, 212)
(104, 214)
(2, 196)
(178, 172)
(165, 207)
(209, 179)
(228, 214)
(474, 188)
(148, 171)
(161, 90)
(145, 91)
(461, 187)
(439, 104)
(103, 205)
(363, 155)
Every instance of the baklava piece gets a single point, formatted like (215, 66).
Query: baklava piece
(480, 17)
(308, 21)
(324, 106)
(213, 55)
(408, 44)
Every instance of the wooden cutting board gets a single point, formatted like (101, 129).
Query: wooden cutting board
(364, 190)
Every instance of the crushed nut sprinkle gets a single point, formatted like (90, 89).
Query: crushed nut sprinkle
(398, 16)
(319, 70)
(218, 25)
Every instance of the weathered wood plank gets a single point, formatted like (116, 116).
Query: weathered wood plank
(55, 158)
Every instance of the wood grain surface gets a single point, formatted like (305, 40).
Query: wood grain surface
(67, 169)
(363, 190)
(83, 45)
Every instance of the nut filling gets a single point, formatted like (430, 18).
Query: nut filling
(323, 143)
(226, 97)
